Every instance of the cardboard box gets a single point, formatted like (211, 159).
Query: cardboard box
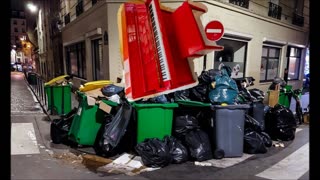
(105, 107)
(274, 96)
(306, 118)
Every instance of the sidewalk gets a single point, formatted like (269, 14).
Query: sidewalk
(33, 156)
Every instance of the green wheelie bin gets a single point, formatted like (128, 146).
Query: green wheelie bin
(59, 98)
(153, 120)
(87, 121)
(285, 96)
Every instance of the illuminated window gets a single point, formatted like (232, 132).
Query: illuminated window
(294, 58)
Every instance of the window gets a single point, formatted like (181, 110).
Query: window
(241, 3)
(16, 29)
(293, 65)
(275, 10)
(14, 21)
(233, 55)
(75, 60)
(67, 19)
(269, 63)
(97, 59)
(22, 14)
(14, 13)
(79, 8)
(23, 30)
(22, 23)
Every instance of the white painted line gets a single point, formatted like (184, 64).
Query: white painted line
(27, 112)
(23, 139)
(227, 162)
(214, 30)
(292, 167)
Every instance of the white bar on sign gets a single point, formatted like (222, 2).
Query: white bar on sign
(292, 167)
(214, 30)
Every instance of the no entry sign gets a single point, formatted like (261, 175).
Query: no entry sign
(214, 30)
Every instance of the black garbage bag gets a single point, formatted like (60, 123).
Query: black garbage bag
(159, 99)
(253, 142)
(199, 93)
(59, 128)
(118, 125)
(207, 77)
(101, 149)
(277, 81)
(178, 151)
(183, 95)
(198, 143)
(126, 143)
(280, 123)
(111, 89)
(250, 81)
(183, 123)
(154, 152)
(257, 94)
(251, 123)
(245, 96)
(266, 139)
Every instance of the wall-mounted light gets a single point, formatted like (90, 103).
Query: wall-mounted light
(23, 38)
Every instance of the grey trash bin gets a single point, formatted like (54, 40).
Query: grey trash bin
(258, 113)
(228, 129)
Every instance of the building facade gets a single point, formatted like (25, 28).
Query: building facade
(261, 39)
(18, 37)
(48, 35)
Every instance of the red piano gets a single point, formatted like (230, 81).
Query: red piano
(158, 45)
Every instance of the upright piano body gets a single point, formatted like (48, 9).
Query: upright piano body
(158, 45)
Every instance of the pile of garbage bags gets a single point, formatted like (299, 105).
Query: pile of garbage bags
(190, 138)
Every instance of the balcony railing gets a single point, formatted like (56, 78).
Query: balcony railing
(94, 2)
(274, 10)
(298, 20)
(79, 8)
(241, 3)
(67, 19)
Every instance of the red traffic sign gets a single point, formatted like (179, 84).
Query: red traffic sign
(214, 30)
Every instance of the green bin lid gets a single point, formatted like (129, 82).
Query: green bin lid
(193, 103)
(154, 105)
(231, 107)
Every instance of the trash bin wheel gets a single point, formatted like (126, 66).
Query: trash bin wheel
(218, 154)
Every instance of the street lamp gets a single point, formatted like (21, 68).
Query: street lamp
(33, 8)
